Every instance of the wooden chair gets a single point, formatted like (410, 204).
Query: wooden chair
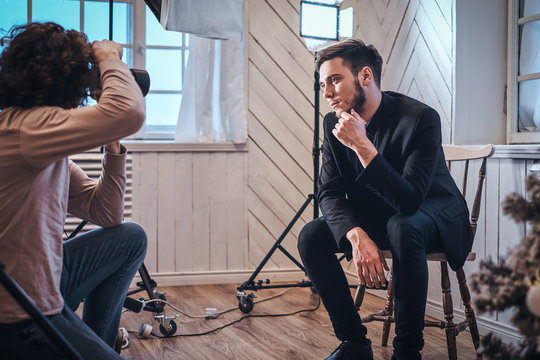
(452, 153)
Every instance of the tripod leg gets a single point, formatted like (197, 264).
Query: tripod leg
(277, 244)
(147, 281)
(30, 307)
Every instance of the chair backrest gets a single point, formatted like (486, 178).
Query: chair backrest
(453, 153)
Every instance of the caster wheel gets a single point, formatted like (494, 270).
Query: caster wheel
(170, 331)
(245, 304)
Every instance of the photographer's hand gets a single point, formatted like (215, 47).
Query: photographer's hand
(113, 148)
(106, 50)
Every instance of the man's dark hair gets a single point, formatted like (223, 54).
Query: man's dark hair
(46, 65)
(355, 54)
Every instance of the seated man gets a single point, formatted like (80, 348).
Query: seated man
(45, 75)
(384, 184)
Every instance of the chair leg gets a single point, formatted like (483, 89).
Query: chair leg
(388, 309)
(359, 296)
(469, 311)
(448, 308)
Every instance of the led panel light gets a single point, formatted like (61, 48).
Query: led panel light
(319, 20)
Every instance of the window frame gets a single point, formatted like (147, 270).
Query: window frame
(136, 43)
(514, 22)
(159, 132)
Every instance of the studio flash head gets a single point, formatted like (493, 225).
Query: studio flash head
(142, 78)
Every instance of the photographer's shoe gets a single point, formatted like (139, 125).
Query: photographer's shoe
(349, 350)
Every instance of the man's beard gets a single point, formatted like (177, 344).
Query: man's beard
(359, 98)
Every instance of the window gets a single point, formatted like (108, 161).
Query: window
(524, 72)
(146, 46)
(165, 59)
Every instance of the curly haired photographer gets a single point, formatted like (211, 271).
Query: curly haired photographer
(46, 73)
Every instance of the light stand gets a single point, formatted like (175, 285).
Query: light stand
(319, 21)
(245, 301)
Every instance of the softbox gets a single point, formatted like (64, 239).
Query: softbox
(216, 19)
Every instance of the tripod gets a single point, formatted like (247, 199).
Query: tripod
(167, 325)
(245, 301)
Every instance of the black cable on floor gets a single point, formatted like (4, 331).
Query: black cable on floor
(237, 321)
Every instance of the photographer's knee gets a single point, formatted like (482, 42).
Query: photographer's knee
(135, 234)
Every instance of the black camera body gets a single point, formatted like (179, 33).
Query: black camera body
(142, 78)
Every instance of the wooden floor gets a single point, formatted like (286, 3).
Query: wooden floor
(306, 335)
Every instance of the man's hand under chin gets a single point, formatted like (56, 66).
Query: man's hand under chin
(350, 130)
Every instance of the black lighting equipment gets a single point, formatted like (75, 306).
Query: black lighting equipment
(31, 309)
(318, 21)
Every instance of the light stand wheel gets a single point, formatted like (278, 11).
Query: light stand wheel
(170, 331)
(245, 304)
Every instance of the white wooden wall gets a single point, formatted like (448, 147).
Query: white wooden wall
(192, 206)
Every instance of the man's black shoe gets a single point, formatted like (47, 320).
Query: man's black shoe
(349, 350)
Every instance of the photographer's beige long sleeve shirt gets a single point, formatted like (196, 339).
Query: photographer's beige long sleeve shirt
(39, 185)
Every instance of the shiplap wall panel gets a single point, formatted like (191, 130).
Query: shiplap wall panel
(218, 211)
(278, 154)
(264, 229)
(258, 249)
(390, 25)
(281, 207)
(262, 167)
(235, 232)
(193, 208)
(479, 245)
(145, 201)
(493, 205)
(299, 100)
(166, 248)
(440, 47)
(405, 44)
(512, 175)
(278, 41)
(185, 237)
(201, 211)
(277, 117)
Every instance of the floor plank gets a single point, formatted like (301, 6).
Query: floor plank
(306, 335)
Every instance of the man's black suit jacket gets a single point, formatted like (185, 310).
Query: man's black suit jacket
(408, 174)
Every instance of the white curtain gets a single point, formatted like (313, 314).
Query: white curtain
(529, 62)
(212, 108)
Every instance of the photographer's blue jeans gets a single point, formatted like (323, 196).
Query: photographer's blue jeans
(408, 238)
(98, 267)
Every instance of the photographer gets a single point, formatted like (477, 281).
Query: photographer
(46, 73)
